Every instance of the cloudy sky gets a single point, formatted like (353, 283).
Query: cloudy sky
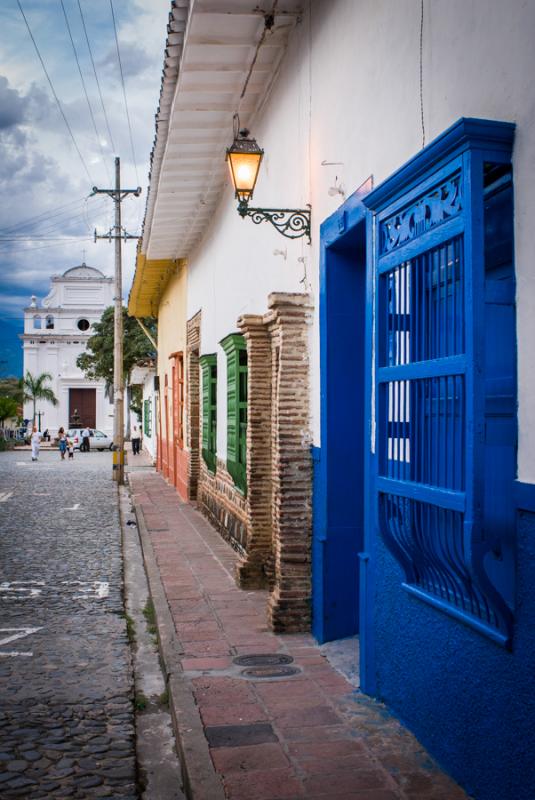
(45, 176)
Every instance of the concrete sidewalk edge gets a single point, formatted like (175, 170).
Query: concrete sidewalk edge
(201, 781)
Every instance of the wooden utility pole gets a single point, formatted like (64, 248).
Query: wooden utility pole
(116, 233)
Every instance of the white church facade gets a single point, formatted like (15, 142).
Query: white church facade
(55, 334)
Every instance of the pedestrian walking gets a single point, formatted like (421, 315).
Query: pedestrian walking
(86, 433)
(62, 443)
(136, 440)
(70, 448)
(35, 440)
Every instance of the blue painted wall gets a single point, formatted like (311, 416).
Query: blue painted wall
(468, 700)
(338, 531)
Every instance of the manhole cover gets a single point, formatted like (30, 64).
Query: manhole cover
(270, 672)
(262, 660)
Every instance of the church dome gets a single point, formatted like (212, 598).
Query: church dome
(83, 271)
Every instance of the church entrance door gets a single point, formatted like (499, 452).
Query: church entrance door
(83, 407)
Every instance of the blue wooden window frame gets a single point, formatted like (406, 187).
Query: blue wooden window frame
(432, 376)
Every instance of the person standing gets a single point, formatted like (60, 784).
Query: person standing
(136, 441)
(86, 433)
(62, 443)
(35, 440)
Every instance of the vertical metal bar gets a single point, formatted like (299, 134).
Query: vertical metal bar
(405, 312)
(454, 300)
(435, 433)
(447, 331)
(387, 291)
(422, 308)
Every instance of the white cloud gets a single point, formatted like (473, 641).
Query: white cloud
(39, 167)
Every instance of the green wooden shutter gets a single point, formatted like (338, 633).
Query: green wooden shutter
(232, 407)
(209, 388)
(233, 345)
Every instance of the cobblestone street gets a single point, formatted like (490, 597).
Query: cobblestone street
(66, 713)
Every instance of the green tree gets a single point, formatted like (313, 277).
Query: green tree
(34, 388)
(8, 408)
(97, 361)
(11, 387)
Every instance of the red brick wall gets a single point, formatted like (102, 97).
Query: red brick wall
(223, 504)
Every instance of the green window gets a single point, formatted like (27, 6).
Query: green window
(236, 351)
(147, 417)
(209, 410)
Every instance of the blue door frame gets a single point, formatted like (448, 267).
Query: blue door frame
(340, 464)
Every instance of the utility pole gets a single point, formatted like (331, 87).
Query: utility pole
(116, 233)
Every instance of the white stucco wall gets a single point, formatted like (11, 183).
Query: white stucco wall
(348, 92)
(144, 377)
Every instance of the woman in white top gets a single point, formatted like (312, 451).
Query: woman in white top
(36, 443)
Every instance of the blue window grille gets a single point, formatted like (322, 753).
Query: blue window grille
(445, 382)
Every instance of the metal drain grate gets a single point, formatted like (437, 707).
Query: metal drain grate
(262, 660)
(270, 672)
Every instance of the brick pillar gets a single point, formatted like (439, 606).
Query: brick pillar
(251, 570)
(290, 601)
(193, 344)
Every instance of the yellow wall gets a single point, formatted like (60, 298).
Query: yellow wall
(171, 335)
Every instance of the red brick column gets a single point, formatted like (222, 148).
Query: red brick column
(290, 601)
(251, 570)
(193, 343)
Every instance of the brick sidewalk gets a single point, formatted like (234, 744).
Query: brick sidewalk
(308, 736)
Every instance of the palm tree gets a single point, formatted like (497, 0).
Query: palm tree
(34, 389)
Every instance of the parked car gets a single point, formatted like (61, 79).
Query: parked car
(97, 439)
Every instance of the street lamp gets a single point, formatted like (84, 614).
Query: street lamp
(244, 157)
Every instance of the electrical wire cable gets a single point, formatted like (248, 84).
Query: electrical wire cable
(422, 117)
(51, 226)
(54, 93)
(32, 220)
(55, 245)
(97, 135)
(96, 77)
(55, 218)
(73, 237)
(124, 91)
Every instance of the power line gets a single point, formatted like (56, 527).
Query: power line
(54, 93)
(55, 245)
(51, 219)
(31, 220)
(72, 238)
(422, 117)
(124, 91)
(97, 136)
(51, 226)
(96, 77)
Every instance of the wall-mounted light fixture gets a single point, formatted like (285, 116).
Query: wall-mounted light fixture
(244, 157)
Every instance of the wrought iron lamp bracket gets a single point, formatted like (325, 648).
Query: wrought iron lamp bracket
(293, 223)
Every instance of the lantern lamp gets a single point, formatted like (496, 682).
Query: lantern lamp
(244, 157)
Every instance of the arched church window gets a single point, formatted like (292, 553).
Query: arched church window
(49, 323)
(37, 321)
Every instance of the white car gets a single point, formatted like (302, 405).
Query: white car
(97, 439)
